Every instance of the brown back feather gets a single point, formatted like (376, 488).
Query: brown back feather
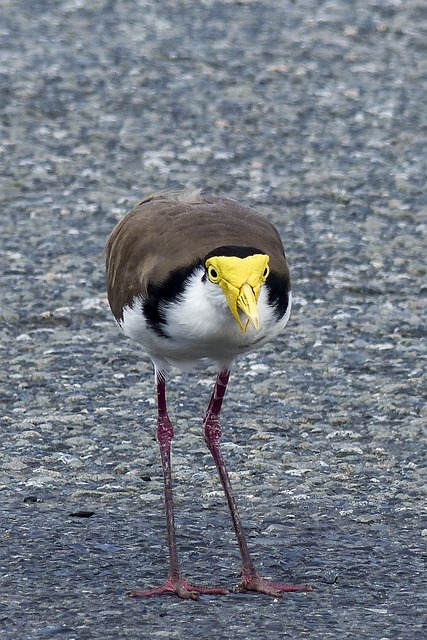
(169, 231)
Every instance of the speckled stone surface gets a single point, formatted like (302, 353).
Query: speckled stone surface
(314, 112)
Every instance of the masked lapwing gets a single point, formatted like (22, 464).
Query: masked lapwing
(196, 278)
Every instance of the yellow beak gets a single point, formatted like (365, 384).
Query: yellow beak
(246, 301)
(241, 280)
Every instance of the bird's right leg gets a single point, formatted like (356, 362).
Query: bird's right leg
(175, 583)
(251, 580)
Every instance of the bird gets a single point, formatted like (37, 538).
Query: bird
(196, 278)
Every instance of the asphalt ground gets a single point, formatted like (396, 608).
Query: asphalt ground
(314, 112)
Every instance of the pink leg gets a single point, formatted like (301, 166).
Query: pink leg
(175, 583)
(251, 580)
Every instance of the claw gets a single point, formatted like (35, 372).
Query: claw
(180, 588)
(254, 582)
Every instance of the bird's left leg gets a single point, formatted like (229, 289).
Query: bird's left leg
(175, 582)
(251, 580)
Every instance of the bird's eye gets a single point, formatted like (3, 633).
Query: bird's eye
(266, 272)
(213, 274)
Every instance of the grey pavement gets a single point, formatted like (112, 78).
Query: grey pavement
(314, 112)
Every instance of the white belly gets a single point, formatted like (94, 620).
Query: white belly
(200, 325)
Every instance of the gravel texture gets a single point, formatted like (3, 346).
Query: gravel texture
(313, 111)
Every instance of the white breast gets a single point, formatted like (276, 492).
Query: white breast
(199, 325)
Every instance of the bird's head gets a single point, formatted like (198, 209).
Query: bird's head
(241, 279)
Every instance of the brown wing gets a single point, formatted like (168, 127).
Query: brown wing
(165, 232)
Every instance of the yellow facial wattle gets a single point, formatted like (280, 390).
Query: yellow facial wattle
(241, 280)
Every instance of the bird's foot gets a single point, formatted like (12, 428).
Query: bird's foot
(254, 582)
(181, 588)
